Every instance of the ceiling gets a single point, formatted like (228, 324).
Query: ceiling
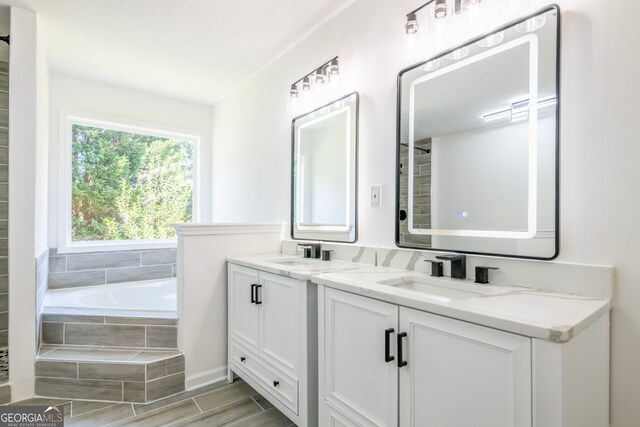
(197, 50)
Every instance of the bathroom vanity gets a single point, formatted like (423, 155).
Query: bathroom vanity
(400, 348)
(273, 329)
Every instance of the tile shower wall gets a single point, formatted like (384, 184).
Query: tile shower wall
(100, 268)
(421, 193)
(4, 223)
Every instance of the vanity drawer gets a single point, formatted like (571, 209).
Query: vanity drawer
(281, 386)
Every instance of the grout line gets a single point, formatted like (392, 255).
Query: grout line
(259, 406)
(198, 406)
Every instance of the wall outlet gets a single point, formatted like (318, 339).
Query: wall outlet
(376, 196)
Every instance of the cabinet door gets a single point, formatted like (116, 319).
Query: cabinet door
(243, 313)
(356, 378)
(281, 322)
(460, 374)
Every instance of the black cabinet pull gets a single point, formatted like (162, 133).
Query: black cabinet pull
(253, 295)
(276, 383)
(258, 301)
(387, 345)
(242, 359)
(401, 362)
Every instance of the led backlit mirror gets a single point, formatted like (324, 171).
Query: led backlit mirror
(324, 159)
(478, 145)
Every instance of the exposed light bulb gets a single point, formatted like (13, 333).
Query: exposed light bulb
(320, 76)
(333, 67)
(294, 91)
(411, 27)
(306, 84)
(440, 9)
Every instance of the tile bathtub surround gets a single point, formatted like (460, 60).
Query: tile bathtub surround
(99, 268)
(110, 331)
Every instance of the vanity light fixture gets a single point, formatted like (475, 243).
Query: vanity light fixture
(320, 75)
(306, 84)
(302, 94)
(440, 11)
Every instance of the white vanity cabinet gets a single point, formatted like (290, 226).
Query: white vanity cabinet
(381, 364)
(272, 324)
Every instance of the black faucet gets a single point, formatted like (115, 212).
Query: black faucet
(311, 250)
(458, 265)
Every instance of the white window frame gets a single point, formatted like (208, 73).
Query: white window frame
(69, 118)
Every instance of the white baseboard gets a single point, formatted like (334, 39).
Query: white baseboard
(202, 379)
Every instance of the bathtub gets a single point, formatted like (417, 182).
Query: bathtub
(151, 298)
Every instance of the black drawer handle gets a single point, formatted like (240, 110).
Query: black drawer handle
(253, 293)
(387, 345)
(276, 383)
(258, 301)
(401, 362)
(242, 359)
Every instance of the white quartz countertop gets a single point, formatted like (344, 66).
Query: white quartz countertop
(534, 313)
(292, 266)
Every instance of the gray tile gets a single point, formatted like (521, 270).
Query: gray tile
(134, 392)
(4, 155)
(4, 82)
(4, 118)
(223, 415)
(223, 396)
(141, 320)
(162, 336)
(262, 402)
(141, 409)
(4, 229)
(79, 389)
(52, 333)
(4, 137)
(159, 257)
(4, 321)
(40, 259)
(135, 274)
(79, 407)
(71, 318)
(46, 368)
(4, 100)
(98, 261)
(111, 335)
(4, 66)
(76, 278)
(174, 270)
(5, 393)
(4, 265)
(4, 284)
(270, 418)
(71, 354)
(4, 172)
(40, 401)
(164, 416)
(156, 370)
(111, 371)
(4, 192)
(4, 338)
(165, 386)
(175, 365)
(101, 417)
(4, 247)
(57, 264)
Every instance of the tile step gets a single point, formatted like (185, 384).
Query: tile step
(132, 375)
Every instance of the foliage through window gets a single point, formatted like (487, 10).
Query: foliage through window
(129, 186)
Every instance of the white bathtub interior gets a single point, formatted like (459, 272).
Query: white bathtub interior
(151, 298)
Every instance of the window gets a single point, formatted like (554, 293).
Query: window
(125, 185)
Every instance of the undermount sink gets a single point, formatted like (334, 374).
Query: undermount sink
(442, 291)
(290, 263)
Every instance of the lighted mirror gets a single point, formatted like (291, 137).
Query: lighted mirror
(477, 149)
(324, 163)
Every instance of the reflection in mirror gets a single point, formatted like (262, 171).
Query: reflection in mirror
(323, 205)
(477, 148)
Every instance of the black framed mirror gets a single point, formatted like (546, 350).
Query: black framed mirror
(478, 144)
(324, 150)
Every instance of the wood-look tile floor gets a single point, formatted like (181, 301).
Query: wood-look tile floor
(236, 405)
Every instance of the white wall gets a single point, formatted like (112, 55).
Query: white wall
(42, 145)
(22, 189)
(80, 95)
(599, 146)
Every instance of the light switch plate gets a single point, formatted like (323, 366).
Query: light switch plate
(376, 196)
